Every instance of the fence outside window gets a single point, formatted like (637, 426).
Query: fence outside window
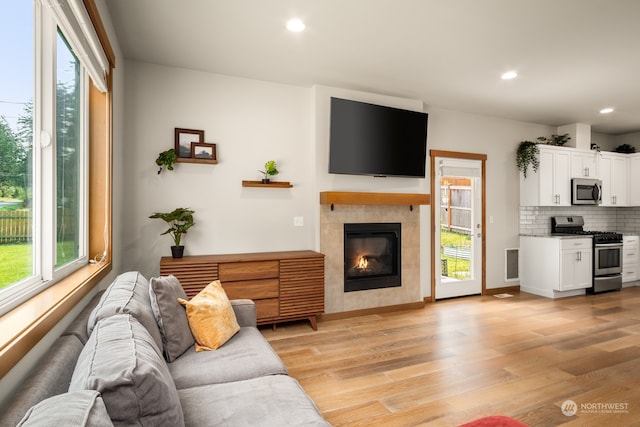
(15, 226)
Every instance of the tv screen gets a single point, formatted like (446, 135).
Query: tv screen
(368, 139)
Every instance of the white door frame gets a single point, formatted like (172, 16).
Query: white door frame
(435, 222)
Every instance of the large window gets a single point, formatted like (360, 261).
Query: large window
(44, 145)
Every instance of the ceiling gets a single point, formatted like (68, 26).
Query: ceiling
(573, 57)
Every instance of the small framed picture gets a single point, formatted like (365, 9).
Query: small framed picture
(203, 151)
(184, 138)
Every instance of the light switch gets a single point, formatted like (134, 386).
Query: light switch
(298, 221)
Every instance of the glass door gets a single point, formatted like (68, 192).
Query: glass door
(458, 199)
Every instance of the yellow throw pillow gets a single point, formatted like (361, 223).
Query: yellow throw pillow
(211, 317)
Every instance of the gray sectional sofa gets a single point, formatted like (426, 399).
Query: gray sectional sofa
(110, 368)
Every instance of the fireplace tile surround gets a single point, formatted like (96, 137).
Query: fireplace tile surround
(332, 245)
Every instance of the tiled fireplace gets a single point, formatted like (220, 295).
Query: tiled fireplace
(332, 244)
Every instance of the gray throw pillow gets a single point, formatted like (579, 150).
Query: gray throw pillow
(78, 408)
(171, 316)
(121, 361)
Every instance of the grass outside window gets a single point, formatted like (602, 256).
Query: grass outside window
(457, 267)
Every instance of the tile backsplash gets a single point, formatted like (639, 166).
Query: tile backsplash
(537, 219)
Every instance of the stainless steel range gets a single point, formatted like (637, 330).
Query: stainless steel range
(607, 252)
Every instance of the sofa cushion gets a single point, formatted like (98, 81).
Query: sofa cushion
(121, 361)
(246, 355)
(211, 317)
(78, 326)
(78, 408)
(275, 400)
(245, 310)
(50, 377)
(129, 293)
(170, 315)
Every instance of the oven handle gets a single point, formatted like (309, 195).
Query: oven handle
(607, 245)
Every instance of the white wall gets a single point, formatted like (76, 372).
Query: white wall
(251, 122)
(632, 139)
(254, 121)
(498, 139)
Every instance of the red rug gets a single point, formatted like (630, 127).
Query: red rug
(495, 421)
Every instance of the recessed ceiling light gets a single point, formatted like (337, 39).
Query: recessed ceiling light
(295, 25)
(606, 110)
(509, 75)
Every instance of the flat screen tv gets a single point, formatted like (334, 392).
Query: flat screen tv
(368, 139)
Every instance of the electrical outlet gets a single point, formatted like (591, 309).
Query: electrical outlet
(298, 221)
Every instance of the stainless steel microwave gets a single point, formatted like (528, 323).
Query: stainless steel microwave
(586, 191)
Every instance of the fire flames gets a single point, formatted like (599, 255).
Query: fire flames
(363, 263)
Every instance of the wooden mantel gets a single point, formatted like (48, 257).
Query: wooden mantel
(357, 198)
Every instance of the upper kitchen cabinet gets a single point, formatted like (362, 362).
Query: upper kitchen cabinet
(583, 164)
(612, 170)
(634, 179)
(551, 185)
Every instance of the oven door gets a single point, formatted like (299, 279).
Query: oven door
(607, 259)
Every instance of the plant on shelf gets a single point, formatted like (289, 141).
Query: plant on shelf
(270, 169)
(179, 220)
(625, 148)
(558, 140)
(166, 159)
(527, 155)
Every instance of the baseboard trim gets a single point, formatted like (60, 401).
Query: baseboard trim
(505, 290)
(370, 311)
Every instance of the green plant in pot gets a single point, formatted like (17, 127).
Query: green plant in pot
(166, 159)
(270, 169)
(179, 220)
(527, 155)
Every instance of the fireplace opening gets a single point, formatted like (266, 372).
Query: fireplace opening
(371, 256)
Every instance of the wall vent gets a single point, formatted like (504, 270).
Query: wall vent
(511, 273)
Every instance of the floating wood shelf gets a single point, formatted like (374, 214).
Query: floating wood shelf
(272, 184)
(356, 198)
(191, 160)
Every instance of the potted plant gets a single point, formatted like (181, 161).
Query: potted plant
(625, 148)
(166, 159)
(558, 140)
(179, 220)
(270, 169)
(527, 155)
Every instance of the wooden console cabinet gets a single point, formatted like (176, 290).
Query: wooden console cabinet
(284, 285)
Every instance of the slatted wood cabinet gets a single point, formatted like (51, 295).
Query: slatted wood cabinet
(284, 285)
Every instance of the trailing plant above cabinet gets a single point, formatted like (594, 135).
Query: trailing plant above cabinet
(527, 155)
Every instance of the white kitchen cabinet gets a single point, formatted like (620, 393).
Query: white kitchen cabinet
(612, 170)
(551, 184)
(583, 164)
(633, 178)
(575, 265)
(555, 267)
(630, 258)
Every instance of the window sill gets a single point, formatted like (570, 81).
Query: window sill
(25, 325)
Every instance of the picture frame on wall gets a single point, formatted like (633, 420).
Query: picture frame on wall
(184, 138)
(203, 151)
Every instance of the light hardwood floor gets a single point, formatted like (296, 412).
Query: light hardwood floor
(461, 359)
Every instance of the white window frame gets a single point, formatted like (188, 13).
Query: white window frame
(46, 23)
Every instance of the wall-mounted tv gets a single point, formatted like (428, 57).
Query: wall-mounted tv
(368, 139)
